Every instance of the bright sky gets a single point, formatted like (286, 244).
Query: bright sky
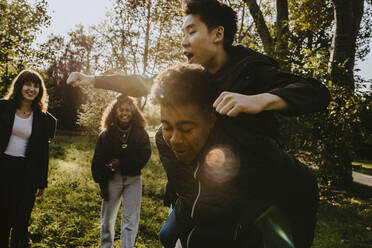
(366, 65)
(68, 13)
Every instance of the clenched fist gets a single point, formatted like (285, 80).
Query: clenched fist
(78, 79)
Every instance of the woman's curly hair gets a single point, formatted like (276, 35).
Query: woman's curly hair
(109, 118)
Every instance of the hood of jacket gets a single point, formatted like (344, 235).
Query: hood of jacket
(240, 58)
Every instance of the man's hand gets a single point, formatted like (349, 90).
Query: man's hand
(39, 192)
(114, 164)
(232, 104)
(78, 79)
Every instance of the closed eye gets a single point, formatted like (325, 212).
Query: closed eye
(186, 128)
(166, 128)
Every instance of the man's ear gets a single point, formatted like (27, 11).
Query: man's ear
(212, 118)
(219, 34)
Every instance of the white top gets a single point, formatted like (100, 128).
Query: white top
(21, 133)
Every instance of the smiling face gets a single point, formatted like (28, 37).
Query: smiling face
(200, 45)
(30, 91)
(186, 129)
(124, 113)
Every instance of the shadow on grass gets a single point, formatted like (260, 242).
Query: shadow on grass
(362, 191)
(57, 150)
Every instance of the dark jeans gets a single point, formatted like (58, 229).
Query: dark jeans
(17, 199)
(169, 233)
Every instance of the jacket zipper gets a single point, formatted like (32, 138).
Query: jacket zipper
(199, 190)
(194, 204)
(236, 232)
(191, 232)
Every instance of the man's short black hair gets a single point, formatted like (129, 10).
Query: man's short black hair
(214, 13)
(183, 84)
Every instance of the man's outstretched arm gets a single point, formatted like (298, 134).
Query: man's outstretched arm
(132, 85)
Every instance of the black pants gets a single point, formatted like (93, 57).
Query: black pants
(16, 199)
(301, 205)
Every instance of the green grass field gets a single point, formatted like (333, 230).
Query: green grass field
(68, 214)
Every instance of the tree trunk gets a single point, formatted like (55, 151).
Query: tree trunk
(261, 26)
(147, 38)
(281, 44)
(348, 15)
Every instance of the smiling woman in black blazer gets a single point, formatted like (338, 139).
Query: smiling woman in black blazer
(24, 133)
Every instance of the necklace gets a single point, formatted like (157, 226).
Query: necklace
(124, 134)
(25, 112)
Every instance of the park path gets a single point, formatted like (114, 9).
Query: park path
(362, 178)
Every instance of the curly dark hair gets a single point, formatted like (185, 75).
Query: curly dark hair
(182, 84)
(214, 13)
(109, 118)
(15, 90)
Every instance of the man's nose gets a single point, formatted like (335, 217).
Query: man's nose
(185, 41)
(176, 138)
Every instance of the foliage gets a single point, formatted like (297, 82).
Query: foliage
(136, 38)
(62, 56)
(90, 114)
(152, 115)
(20, 22)
(329, 138)
(364, 151)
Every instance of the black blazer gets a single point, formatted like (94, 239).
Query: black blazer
(37, 151)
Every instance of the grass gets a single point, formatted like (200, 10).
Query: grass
(68, 213)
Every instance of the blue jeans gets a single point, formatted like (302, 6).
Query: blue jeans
(127, 189)
(169, 233)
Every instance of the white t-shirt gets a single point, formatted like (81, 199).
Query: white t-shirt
(21, 133)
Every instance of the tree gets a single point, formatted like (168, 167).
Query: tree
(138, 37)
(347, 15)
(20, 22)
(76, 52)
(320, 42)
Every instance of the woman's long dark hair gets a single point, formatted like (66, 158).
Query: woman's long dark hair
(15, 90)
(109, 118)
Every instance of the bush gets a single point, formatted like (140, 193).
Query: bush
(328, 139)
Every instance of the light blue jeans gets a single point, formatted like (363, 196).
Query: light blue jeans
(128, 190)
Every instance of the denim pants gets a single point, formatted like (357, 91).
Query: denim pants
(127, 189)
(169, 233)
